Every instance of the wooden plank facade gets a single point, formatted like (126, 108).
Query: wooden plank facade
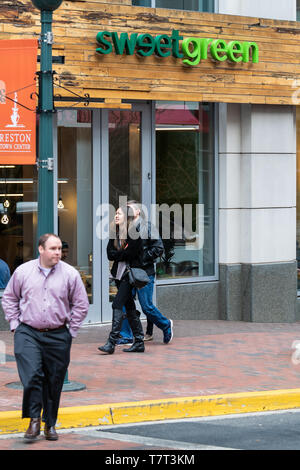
(114, 77)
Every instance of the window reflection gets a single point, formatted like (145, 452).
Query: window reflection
(124, 156)
(185, 188)
(192, 5)
(18, 214)
(125, 163)
(298, 197)
(75, 218)
(141, 3)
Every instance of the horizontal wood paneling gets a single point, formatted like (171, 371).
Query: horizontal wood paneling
(76, 23)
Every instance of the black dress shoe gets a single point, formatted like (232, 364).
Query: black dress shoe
(50, 433)
(33, 430)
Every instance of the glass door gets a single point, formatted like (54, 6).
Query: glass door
(101, 156)
(126, 175)
(74, 196)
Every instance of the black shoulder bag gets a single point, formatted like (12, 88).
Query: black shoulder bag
(138, 277)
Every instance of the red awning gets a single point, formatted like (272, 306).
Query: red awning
(183, 117)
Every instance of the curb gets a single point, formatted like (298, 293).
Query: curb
(156, 410)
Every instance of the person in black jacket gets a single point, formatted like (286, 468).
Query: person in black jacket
(124, 251)
(152, 248)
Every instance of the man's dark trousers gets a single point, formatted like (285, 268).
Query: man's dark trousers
(42, 360)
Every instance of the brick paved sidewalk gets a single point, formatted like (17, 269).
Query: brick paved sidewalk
(204, 358)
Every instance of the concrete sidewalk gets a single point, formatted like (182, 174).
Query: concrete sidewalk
(210, 368)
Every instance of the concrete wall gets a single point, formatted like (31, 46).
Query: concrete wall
(257, 171)
(189, 301)
(275, 9)
(257, 168)
(257, 212)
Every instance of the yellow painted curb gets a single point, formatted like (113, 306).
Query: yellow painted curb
(154, 410)
(212, 405)
(70, 417)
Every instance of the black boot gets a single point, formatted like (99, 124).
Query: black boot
(109, 346)
(138, 346)
(137, 330)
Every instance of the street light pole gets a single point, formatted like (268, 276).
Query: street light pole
(46, 110)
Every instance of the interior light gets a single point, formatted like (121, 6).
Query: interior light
(187, 128)
(60, 204)
(6, 203)
(4, 219)
(12, 195)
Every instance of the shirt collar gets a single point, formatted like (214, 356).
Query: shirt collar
(40, 267)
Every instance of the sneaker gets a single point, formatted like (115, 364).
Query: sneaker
(148, 337)
(168, 333)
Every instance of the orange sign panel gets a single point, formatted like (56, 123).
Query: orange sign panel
(18, 65)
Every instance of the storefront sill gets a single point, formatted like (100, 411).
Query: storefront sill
(181, 281)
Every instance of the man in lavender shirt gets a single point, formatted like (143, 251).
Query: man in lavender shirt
(45, 303)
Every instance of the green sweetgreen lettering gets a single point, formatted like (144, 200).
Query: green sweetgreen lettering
(146, 45)
(204, 47)
(107, 49)
(193, 49)
(163, 41)
(194, 54)
(235, 48)
(246, 52)
(124, 43)
(218, 47)
(175, 44)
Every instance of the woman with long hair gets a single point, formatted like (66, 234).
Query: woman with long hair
(125, 251)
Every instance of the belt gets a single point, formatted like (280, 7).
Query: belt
(44, 330)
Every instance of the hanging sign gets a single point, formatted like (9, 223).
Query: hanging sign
(18, 66)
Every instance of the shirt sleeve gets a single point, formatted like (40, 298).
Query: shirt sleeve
(79, 304)
(11, 300)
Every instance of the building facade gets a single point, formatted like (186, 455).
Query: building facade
(187, 105)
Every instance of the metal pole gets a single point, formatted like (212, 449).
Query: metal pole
(46, 110)
(45, 162)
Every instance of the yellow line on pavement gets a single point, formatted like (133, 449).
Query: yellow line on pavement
(154, 410)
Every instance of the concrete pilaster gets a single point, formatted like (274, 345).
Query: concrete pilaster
(257, 212)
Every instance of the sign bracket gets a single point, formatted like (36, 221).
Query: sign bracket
(46, 164)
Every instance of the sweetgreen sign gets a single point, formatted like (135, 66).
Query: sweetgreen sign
(190, 50)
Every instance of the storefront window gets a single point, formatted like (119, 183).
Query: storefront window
(125, 163)
(18, 214)
(124, 156)
(141, 3)
(193, 5)
(74, 166)
(185, 189)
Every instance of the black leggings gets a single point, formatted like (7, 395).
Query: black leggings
(124, 296)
